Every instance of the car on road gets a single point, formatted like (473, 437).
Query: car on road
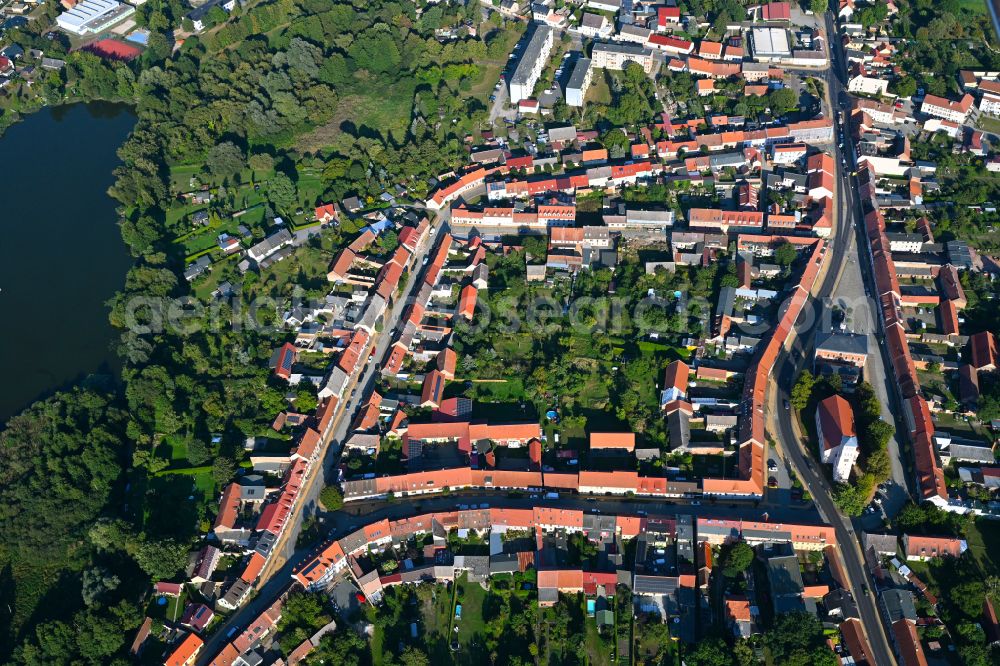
(772, 482)
(695, 503)
(787, 405)
(493, 98)
(771, 465)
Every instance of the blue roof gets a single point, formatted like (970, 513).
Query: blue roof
(379, 227)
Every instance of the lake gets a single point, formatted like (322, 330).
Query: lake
(61, 257)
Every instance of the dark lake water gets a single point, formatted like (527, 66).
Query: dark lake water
(61, 256)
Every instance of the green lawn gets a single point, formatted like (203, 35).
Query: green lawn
(600, 91)
(989, 123)
(599, 648)
(471, 597)
(973, 6)
(170, 611)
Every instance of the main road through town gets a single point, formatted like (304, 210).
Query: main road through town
(840, 252)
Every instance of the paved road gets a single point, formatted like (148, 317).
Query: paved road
(787, 368)
(275, 576)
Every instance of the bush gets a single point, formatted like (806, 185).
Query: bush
(332, 498)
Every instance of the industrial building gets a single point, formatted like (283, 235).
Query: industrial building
(93, 16)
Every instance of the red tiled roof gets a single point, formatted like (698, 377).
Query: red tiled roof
(433, 389)
(983, 350)
(612, 440)
(676, 376)
(930, 546)
(836, 420)
(229, 507)
(562, 579)
(738, 609)
(253, 568)
(185, 653)
(666, 43)
(908, 642)
(467, 301)
(776, 11)
(856, 642)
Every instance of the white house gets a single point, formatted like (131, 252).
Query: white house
(838, 438)
(536, 54)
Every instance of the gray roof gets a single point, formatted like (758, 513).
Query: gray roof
(959, 254)
(270, 244)
(970, 452)
(784, 575)
(532, 52)
(899, 604)
(618, 47)
(655, 584)
(679, 424)
(563, 133)
(503, 563)
(595, 21)
(655, 217)
(478, 566)
(884, 544)
(727, 301)
(727, 160)
(252, 488)
(579, 75)
(843, 343)
(842, 602)
(354, 541)
(236, 592)
(265, 542)
(635, 31)
(905, 237)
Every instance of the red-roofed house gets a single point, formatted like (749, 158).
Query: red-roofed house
(710, 50)
(197, 617)
(168, 589)
(446, 361)
(326, 213)
(776, 11)
(433, 390)
(670, 44)
(738, 616)
(675, 382)
(283, 359)
(253, 568)
(186, 653)
(467, 301)
(983, 351)
(612, 440)
(911, 652)
(838, 437)
(667, 17)
(925, 548)
(940, 107)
